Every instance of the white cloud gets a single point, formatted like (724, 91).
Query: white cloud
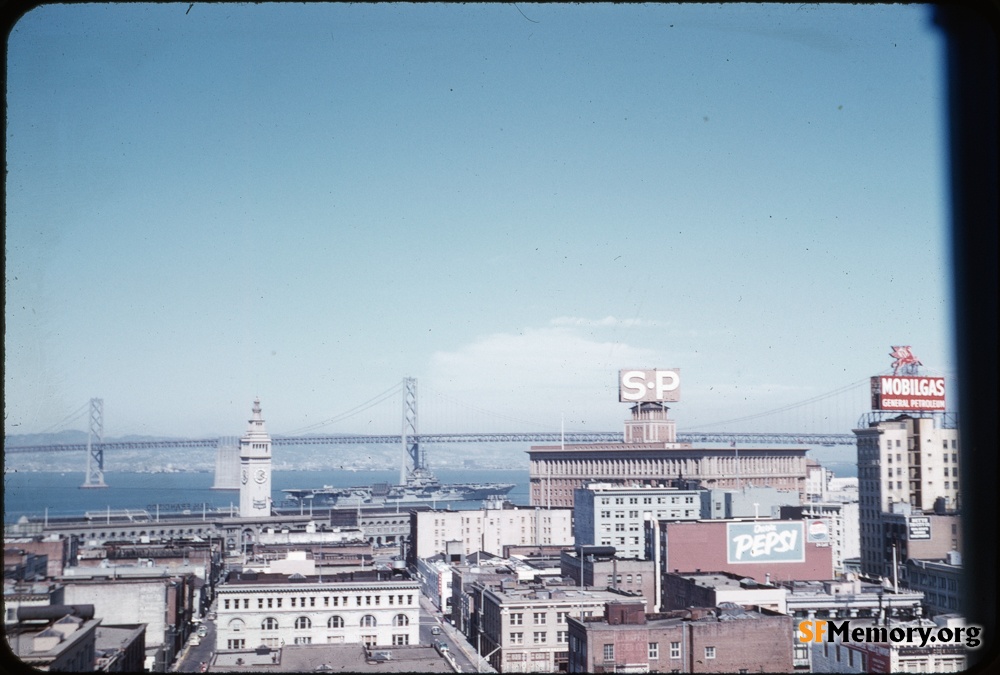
(540, 374)
(608, 321)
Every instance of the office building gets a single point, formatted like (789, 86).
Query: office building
(599, 567)
(56, 638)
(836, 656)
(840, 522)
(371, 608)
(730, 639)
(606, 514)
(522, 627)
(489, 529)
(941, 582)
(906, 460)
(650, 456)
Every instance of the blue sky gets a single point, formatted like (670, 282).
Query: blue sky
(509, 203)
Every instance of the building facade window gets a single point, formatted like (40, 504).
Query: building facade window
(270, 623)
(654, 650)
(368, 621)
(400, 620)
(335, 621)
(675, 650)
(609, 652)
(303, 622)
(709, 652)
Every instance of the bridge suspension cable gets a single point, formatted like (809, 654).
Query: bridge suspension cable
(488, 413)
(792, 406)
(72, 417)
(370, 403)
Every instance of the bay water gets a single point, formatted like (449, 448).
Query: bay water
(35, 493)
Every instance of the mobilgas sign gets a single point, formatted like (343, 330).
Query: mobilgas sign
(636, 386)
(765, 541)
(895, 392)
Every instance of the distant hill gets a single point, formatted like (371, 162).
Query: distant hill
(71, 437)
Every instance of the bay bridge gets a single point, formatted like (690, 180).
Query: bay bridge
(412, 440)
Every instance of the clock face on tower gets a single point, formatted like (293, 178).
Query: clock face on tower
(260, 475)
(244, 476)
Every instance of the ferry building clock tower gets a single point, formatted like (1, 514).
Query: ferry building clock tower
(255, 468)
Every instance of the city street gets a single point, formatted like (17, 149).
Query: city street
(464, 654)
(194, 655)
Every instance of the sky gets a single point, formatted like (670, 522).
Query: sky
(307, 203)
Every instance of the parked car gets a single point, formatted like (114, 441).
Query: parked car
(436, 630)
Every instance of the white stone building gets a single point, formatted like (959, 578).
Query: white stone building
(435, 578)
(369, 608)
(613, 515)
(489, 529)
(841, 519)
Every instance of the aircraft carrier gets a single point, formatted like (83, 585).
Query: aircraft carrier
(420, 487)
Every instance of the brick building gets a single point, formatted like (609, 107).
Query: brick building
(764, 550)
(730, 639)
(681, 591)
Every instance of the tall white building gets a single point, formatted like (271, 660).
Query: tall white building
(255, 468)
(908, 460)
(842, 521)
(613, 515)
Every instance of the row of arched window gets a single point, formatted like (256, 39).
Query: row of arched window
(335, 621)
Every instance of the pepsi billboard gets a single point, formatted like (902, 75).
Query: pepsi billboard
(765, 541)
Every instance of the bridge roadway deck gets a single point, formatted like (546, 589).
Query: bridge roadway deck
(519, 437)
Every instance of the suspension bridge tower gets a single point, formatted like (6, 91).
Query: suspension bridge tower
(414, 465)
(95, 450)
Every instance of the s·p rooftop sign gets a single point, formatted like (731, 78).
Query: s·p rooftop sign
(636, 386)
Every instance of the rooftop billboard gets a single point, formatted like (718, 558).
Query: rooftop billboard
(765, 541)
(899, 392)
(637, 386)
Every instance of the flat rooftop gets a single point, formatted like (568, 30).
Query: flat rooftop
(345, 658)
